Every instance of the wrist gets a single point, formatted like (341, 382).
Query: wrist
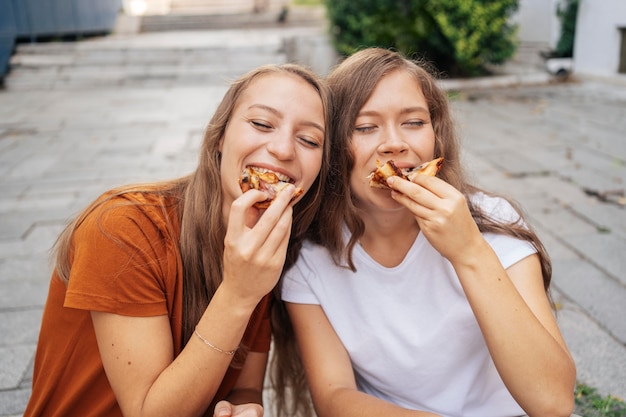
(474, 256)
(233, 300)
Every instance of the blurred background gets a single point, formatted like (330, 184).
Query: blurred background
(463, 38)
(99, 93)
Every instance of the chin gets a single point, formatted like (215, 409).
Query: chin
(379, 202)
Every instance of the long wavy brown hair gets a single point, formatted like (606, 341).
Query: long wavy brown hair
(351, 84)
(198, 200)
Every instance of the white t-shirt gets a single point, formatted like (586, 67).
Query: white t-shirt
(410, 332)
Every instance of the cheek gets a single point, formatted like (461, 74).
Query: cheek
(358, 181)
(424, 145)
(312, 166)
(236, 142)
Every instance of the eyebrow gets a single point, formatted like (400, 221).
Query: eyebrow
(405, 110)
(279, 114)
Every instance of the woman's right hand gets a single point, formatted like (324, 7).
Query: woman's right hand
(226, 409)
(255, 245)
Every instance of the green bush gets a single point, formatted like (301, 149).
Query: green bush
(459, 36)
(567, 14)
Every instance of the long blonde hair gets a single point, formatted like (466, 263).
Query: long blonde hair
(198, 200)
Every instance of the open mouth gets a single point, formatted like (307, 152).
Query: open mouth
(269, 172)
(255, 178)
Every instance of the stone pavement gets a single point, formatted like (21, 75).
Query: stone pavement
(121, 109)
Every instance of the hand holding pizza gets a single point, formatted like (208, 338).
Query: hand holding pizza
(254, 252)
(441, 212)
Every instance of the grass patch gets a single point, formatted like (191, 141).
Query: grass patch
(589, 403)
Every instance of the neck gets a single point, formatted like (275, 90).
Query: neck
(388, 237)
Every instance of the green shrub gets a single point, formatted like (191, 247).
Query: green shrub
(459, 36)
(567, 14)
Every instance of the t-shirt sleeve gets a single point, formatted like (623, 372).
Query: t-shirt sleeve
(296, 288)
(509, 250)
(118, 263)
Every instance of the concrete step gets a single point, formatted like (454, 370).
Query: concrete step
(169, 57)
(221, 6)
(272, 18)
(119, 69)
(71, 65)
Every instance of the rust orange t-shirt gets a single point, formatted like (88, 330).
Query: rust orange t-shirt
(125, 260)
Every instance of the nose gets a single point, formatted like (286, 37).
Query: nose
(282, 145)
(392, 142)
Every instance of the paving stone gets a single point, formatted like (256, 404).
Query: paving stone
(19, 327)
(13, 403)
(14, 362)
(605, 250)
(600, 359)
(34, 268)
(602, 297)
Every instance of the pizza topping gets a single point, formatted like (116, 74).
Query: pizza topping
(378, 178)
(265, 180)
(430, 168)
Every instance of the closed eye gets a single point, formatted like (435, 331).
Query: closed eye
(417, 123)
(365, 129)
(261, 125)
(309, 142)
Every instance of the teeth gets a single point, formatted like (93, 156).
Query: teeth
(281, 177)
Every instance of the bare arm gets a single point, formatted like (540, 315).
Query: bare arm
(510, 306)
(137, 352)
(138, 358)
(521, 333)
(329, 372)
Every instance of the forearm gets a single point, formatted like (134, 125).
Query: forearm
(529, 354)
(347, 402)
(187, 386)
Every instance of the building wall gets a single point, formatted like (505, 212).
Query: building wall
(538, 23)
(598, 39)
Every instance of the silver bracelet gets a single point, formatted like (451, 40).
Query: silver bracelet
(212, 346)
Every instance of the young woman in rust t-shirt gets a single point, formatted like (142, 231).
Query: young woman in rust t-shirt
(159, 304)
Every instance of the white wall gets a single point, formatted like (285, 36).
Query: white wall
(538, 22)
(598, 39)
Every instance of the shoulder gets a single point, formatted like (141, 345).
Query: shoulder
(313, 264)
(313, 256)
(144, 213)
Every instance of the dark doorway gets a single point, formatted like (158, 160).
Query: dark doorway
(622, 52)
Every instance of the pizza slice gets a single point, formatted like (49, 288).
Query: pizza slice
(378, 178)
(267, 181)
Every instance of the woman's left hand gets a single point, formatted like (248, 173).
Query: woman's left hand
(441, 212)
(226, 409)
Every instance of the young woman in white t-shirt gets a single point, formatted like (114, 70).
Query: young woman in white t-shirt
(430, 299)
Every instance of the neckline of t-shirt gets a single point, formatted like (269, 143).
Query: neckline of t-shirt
(360, 253)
